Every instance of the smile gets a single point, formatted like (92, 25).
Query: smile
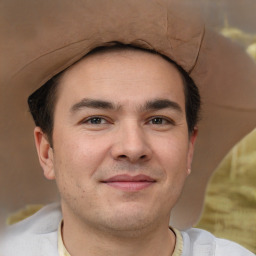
(130, 183)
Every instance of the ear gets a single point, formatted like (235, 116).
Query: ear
(45, 153)
(192, 140)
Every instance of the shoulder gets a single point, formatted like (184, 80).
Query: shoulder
(36, 235)
(198, 242)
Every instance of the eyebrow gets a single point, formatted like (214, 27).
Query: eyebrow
(156, 104)
(91, 103)
(159, 104)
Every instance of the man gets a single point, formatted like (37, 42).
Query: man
(120, 154)
(117, 131)
(119, 138)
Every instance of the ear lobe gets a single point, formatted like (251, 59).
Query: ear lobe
(45, 153)
(192, 140)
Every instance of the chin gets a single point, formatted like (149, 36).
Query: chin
(130, 220)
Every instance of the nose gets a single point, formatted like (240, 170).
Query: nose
(131, 144)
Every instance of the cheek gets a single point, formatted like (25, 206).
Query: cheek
(78, 156)
(172, 156)
(75, 162)
(172, 152)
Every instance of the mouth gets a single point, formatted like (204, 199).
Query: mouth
(130, 183)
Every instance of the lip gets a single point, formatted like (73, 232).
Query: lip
(130, 183)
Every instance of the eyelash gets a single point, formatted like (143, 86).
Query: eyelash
(87, 120)
(163, 119)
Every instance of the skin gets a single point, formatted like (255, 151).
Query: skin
(139, 129)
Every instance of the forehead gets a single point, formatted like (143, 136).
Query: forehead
(121, 74)
(128, 56)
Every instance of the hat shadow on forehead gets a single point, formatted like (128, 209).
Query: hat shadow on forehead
(224, 74)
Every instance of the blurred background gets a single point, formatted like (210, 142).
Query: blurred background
(230, 204)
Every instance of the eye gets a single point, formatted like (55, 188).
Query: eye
(157, 120)
(95, 120)
(160, 121)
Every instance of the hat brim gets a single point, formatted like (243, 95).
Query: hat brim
(45, 37)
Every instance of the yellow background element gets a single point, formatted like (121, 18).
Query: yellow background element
(230, 204)
(246, 40)
(23, 213)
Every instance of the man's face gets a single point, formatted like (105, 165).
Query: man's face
(121, 147)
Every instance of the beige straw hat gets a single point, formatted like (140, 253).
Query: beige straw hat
(41, 38)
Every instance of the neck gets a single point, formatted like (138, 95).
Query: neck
(83, 239)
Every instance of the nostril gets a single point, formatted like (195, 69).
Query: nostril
(142, 157)
(122, 156)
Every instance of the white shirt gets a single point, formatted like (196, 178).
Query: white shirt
(38, 236)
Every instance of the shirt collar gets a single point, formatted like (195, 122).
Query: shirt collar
(177, 250)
